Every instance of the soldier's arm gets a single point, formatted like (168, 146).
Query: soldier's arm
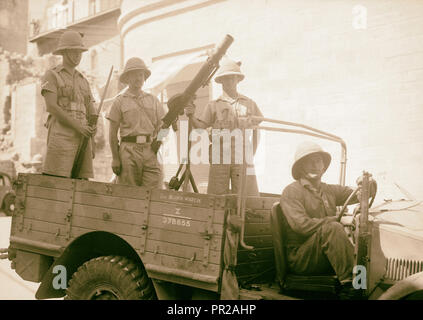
(206, 118)
(342, 193)
(196, 123)
(114, 146)
(296, 215)
(54, 109)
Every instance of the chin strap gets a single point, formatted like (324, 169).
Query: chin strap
(70, 59)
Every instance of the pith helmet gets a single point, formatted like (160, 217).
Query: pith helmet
(134, 64)
(304, 149)
(70, 39)
(229, 67)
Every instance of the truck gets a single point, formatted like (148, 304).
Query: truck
(7, 195)
(91, 240)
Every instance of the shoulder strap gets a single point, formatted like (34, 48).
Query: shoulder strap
(59, 79)
(141, 105)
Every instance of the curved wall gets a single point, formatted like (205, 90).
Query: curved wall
(310, 62)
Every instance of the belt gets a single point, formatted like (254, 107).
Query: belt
(142, 138)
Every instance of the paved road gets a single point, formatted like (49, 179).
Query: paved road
(12, 287)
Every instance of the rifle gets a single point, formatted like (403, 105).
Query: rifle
(92, 121)
(178, 102)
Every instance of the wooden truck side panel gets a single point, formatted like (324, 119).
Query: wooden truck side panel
(185, 236)
(178, 236)
(257, 265)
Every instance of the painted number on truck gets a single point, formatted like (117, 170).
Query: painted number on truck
(176, 219)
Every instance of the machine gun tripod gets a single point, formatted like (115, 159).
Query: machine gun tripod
(175, 183)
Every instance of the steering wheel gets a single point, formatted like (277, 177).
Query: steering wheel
(341, 213)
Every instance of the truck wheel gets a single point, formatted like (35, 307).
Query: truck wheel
(110, 278)
(8, 204)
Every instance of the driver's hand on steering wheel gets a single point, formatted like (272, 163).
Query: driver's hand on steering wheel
(347, 220)
(372, 188)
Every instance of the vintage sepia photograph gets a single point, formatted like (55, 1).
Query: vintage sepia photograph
(220, 150)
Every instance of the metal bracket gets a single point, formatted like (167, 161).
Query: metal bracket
(144, 226)
(208, 235)
(68, 217)
(21, 200)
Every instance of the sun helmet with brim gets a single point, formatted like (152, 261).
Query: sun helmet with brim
(229, 68)
(70, 39)
(134, 64)
(305, 149)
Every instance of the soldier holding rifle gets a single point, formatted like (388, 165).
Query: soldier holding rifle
(69, 103)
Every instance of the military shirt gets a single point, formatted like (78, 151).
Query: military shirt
(306, 208)
(137, 115)
(78, 100)
(228, 113)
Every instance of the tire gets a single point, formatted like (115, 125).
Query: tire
(9, 204)
(110, 278)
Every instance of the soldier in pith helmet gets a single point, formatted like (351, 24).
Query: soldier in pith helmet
(231, 111)
(136, 115)
(69, 102)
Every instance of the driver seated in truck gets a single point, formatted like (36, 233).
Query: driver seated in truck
(137, 116)
(316, 243)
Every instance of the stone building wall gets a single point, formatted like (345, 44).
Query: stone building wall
(351, 68)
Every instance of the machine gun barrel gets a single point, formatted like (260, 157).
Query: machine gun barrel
(178, 102)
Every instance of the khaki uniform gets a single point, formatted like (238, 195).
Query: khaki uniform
(75, 97)
(138, 116)
(315, 243)
(227, 113)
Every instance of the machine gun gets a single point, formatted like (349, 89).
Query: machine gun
(178, 102)
(92, 121)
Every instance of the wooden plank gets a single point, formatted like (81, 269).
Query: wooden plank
(182, 251)
(77, 232)
(257, 229)
(45, 215)
(53, 207)
(107, 214)
(255, 255)
(261, 202)
(49, 181)
(182, 224)
(44, 226)
(257, 216)
(110, 202)
(108, 226)
(114, 190)
(187, 198)
(188, 239)
(194, 213)
(259, 241)
(180, 264)
(48, 193)
(40, 236)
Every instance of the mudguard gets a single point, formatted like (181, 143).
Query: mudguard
(404, 287)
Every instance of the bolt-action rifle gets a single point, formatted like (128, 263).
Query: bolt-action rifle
(92, 121)
(178, 102)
